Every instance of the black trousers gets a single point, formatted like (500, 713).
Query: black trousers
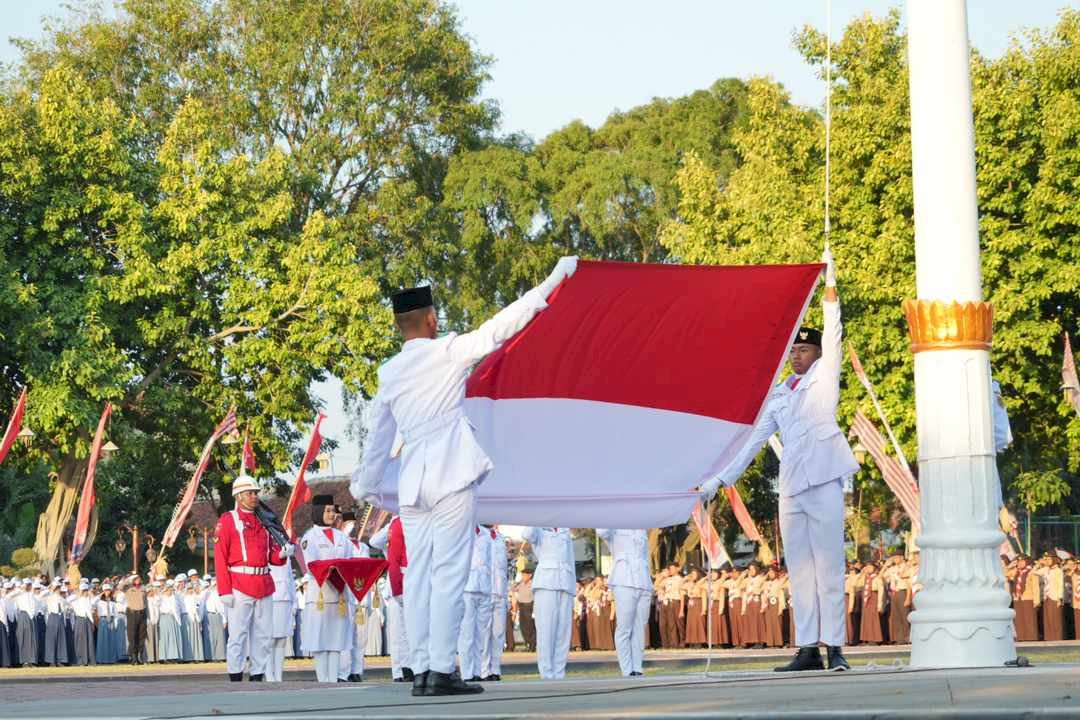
(528, 625)
(136, 634)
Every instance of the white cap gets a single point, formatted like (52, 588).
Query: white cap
(244, 482)
(37, 585)
(169, 583)
(107, 586)
(83, 585)
(206, 576)
(192, 573)
(26, 581)
(181, 578)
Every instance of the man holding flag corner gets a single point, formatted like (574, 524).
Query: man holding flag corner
(815, 461)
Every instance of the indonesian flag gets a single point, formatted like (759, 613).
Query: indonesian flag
(357, 574)
(301, 493)
(14, 425)
(180, 513)
(88, 497)
(742, 515)
(710, 539)
(638, 383)
(896, 473)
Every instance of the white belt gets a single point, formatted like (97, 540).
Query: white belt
(248, 570)
(433, 425)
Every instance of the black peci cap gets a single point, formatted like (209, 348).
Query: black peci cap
(412, 299)
(807, 336)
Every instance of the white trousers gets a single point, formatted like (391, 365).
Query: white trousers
(275, 668)
(553, 611)
(631, 616)
(439, 536)
(352, 661)
(327, 665)
(475, 626)
(251, 620)
(812, 528)
(494, 641)
(396, 637)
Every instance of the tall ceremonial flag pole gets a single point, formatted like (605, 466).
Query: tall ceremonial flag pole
(962, 617)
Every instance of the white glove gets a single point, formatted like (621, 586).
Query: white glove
(287, 552)
(830, 268)
(708, 490)
(563, 269)
(227, 600)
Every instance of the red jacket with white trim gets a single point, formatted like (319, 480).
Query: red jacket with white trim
(253, 549)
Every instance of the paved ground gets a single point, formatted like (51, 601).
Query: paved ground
(1047, 691)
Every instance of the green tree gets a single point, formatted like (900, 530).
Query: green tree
(198, 209)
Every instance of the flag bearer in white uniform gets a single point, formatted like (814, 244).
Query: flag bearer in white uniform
(816, 460)
(243, 555)
(420, 396)
(494, 641)
(476, 622)
(284, 618)
(327, 625)
(352, 661)
(391, 541)
(554, 586)
(632, 586)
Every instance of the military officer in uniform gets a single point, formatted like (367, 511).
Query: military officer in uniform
(632, 586)
(391, 541)
(243, 555)
(816, 460)
(554, 586)
(476, 623)
(420, 396)
(327, 625)
(284, 619)
(491, 654)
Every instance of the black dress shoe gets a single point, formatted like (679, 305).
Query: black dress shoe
(448, 684)
(419, 685)
(836, 659)
(355, 677)
(407, 673)
(256, 678)
(635, 673)
(475, 678)
(400, 679)
(807, 658)
(236, 677)
(491, 678)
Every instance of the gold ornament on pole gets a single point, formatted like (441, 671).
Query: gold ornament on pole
(938, 325)
(26, 436)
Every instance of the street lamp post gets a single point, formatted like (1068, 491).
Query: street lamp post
(962, 616)
(121, 545)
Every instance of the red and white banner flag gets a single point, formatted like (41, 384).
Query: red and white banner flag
(637, 384)
(742, 515)
(301, 493)
(226, 426)
(1069, 382)
(248, 454)
(897, 474)
(710, 539)
(88, 497)
(14, 425)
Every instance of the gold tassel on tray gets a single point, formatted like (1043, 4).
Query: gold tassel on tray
(341, 609)
(361, 616)
(320, 604)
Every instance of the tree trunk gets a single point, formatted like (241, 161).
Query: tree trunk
(54, 520)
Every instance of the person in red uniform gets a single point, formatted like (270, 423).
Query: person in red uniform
(391, 540)
(243, 555)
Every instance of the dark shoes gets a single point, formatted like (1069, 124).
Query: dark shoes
(419, 686)
(236, 677)
(635, 673)
(807, 658)
(836, 659)
(491, 678)
(407, 674)
(475, 679)
(256, 678)
(355, 677)
(447, 684)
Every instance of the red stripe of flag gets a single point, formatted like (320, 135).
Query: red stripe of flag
(897, 476)
(742, 515)
(227, 425)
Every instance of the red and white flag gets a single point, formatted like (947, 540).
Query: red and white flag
(248, 454)
(88, 497)
(1069, 382)
(710, 539)
(226, 426)
(637, 384)
(301, 493)
(897, 474)
(14, 425)
(742, 515)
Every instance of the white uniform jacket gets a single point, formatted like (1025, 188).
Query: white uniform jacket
(554, 550)
(815, 451)
(630, 552)
(420, 396)
(480, 568)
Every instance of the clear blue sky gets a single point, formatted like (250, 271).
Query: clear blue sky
(560, 60)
